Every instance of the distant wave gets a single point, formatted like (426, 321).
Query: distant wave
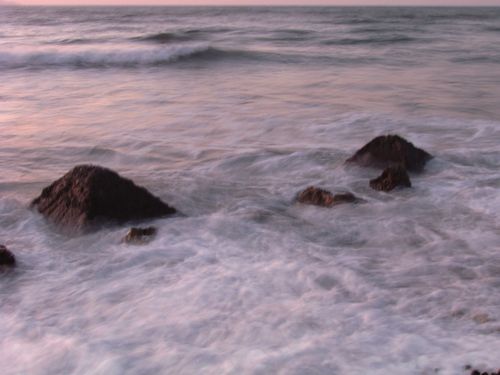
(356, 21)
(492, 28)
(374, 40)
(478, 59)
(72, 41)
(117, 59)
(473, 16)
(386, 30)
(163, 37)
(181, 35)
(289, 35)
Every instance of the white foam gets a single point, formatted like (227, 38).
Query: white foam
(88, 58)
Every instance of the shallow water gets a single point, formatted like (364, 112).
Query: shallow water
(226, 114)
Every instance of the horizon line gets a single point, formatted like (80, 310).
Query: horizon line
(251, 5)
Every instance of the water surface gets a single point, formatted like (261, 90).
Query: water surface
(226, 113)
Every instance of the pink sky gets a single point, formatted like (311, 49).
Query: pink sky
(260, 2)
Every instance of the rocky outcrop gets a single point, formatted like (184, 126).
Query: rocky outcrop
(390, 178)
(319, 197)
(140, 236)
(89, 196)
(389, 150)
(6, 257)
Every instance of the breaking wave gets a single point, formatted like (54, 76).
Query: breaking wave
(109, 59)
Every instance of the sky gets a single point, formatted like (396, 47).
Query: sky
(261, 2)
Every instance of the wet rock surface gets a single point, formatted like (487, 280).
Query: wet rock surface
(478, 372)
(6, 257)
(89, 196)
(389, 150)
(391, 178)
(320, 197)
(140, 236)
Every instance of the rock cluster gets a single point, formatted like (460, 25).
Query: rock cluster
(88, 196)
(396, 155)
(389, 150)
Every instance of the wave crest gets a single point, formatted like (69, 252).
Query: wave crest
(162, 38)
(103, 59)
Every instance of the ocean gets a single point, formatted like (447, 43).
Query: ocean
(226, 114)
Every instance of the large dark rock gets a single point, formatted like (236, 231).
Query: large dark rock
(319, 197)
(389, 150)
(89, 196)
(6, 257)
(390, 178)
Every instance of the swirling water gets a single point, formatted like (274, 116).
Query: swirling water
(226, 113)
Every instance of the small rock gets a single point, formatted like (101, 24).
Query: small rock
(6, 257)
(389, 150)
(481, 318)
(320, 197)
(140, 236)
(391, 178)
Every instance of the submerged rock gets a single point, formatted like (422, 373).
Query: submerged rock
(89, 196)
(319, 197)
(390, 178)
(389, 150)
(140, 236)
(6, 257)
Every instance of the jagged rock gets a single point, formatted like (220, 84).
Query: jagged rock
(389, 150)
(140, 236)
(390, 178)
(319, 197)
(6, 257)
(89, 196)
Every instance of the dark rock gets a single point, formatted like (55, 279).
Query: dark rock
(139, 236)
(6, 257)
(477, 372)
(319, 197)
(389, 150)
(89, 196)
(390, 178)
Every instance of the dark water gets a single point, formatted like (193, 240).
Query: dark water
(226, 113)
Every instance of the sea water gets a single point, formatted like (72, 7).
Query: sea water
(226, 114)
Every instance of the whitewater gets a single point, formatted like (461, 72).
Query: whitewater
(226, 114)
